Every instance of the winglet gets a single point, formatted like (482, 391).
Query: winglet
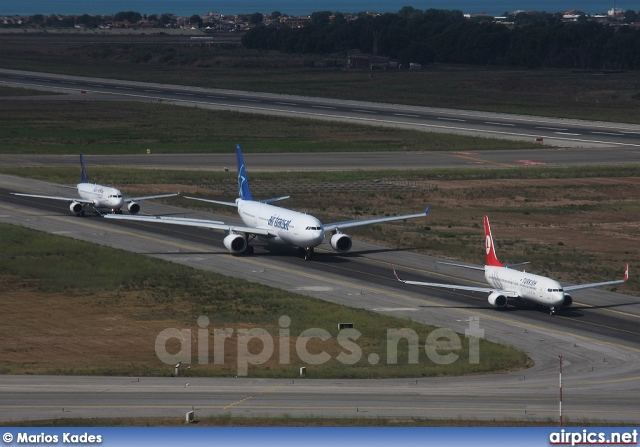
(626, 273)
(83, 178)
(492, 259)
(394, 271)
(243, 182)
(427, 210)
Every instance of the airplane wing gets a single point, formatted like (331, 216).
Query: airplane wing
(137, 199)
(66, 199)
(218, 202)
(452, 286)
(200, 223)
(600, 284)
(356, 223)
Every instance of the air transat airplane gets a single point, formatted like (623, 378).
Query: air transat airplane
(271, 224)
(97, 197)
(509, 285)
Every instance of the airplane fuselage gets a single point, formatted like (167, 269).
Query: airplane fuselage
(101, 196)
(290, 227)
(539, 289)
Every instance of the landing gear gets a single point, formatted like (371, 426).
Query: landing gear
(552, 311)
(307, 253)
(249, 250)
(80, 214)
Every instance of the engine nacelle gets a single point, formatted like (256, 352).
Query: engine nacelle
(235, 243)
(341, 242)
(76, 207)
(568, 301)
(498, 301)
(133, 207)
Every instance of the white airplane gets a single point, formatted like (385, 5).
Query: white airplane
(97, 197)
(512, 285)
(271, 224)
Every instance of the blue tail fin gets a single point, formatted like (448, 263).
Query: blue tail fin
(83, 179)
(243, 182)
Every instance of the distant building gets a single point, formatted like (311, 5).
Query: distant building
(356, 59)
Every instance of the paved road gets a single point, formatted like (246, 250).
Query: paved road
(340, 161)
(559, 132)
(598, 340)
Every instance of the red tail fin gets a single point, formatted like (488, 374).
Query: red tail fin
(492, 259)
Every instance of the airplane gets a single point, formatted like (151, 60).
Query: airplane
(509, 285)
(271, 224)
(97, 197)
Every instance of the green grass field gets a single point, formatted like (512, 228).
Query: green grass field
(100, 127)
(101, 315)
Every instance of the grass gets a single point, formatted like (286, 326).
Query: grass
(101, 315)
(98, 127)
(309, 421)
(607, 96)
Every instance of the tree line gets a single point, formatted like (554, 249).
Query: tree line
(534, 40)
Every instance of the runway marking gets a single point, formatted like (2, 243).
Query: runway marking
(481, 160)
(499, 124)
(608, 133)
(314, 288)
(550, 128)
(255, 395)
(407, 115)
(452, 119)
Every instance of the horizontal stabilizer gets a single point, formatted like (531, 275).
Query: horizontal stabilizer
(275, 199)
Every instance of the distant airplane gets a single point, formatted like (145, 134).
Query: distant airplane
(271, 224)
(97, 197)
(511, 285)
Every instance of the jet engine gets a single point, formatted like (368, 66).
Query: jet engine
(568, 301)
(235, 243)
(133, 207)
(76, 207)
(498, 301)
(341, 242)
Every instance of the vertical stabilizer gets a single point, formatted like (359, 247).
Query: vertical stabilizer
(83, 178)
(492, 259)
(243, 182)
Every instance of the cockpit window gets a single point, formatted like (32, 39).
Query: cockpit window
(313, 228)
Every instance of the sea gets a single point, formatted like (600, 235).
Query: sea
(187, 8)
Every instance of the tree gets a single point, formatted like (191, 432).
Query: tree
(195, 20)
(256, 18)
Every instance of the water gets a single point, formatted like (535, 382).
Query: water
(298, 7)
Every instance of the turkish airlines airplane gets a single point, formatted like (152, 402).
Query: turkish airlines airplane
(271, 224)
(97, 197)
(508, 284)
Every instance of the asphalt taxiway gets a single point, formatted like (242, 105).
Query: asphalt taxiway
(597, 339)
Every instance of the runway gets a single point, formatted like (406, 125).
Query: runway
(557, 132)
(598, 340)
